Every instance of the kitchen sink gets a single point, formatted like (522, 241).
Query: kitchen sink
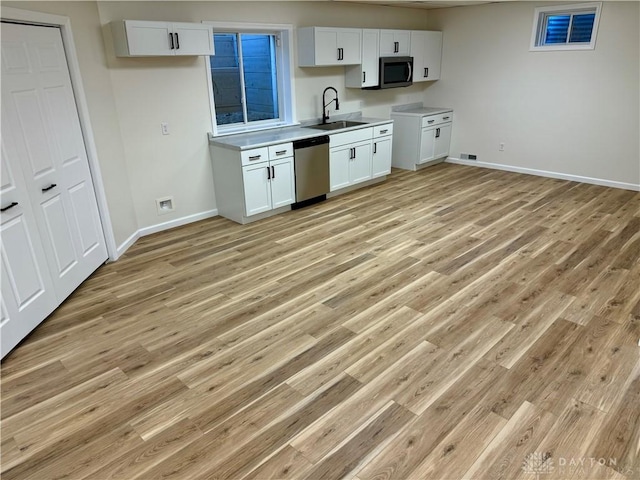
(337, 125)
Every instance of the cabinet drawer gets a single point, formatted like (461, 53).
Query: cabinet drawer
(383, 130)
(437, 119)
(255, 155)
(353, 136)
(281, 150)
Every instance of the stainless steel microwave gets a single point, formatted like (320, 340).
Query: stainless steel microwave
(395, 72)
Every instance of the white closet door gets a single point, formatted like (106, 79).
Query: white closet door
(40, 123)
(27, 291)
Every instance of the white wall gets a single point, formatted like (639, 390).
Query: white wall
(87, 34)
(149, 91)
(569, 112)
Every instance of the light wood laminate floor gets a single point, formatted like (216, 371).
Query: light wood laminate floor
(450, 323)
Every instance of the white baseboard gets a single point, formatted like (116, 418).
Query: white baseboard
(177, 222)
(163, 226)
(544, 173)
(125, 245)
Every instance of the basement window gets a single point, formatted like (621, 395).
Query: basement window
(250, 86)
(566, 27)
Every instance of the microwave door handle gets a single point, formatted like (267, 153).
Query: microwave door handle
(410, 72)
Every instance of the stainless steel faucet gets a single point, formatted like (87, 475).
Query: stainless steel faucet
(325, 115)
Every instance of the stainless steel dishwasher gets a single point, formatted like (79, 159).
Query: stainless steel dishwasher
(311, 160)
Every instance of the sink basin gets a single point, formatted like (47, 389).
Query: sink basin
(337, 125)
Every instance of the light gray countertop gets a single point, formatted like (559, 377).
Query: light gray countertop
(419, 110)
(262, 138)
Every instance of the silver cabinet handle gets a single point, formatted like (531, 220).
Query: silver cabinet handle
(445, 118)
(430, 121)
(281, 152)
(255, 157)
(384, 131)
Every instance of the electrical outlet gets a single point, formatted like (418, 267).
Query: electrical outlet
(165, 128)
(501, 147)
(165, 205)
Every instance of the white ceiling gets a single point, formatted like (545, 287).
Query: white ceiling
(419, 4)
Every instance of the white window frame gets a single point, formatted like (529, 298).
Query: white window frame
(286, 87)
(576, 8)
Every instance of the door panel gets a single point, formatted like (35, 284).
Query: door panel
(148, 38)
(193, 39)
(326, 47)
(442, 141)
(28, 109)
(257, 190)
(360, 167)
(85, 222)
(427, 144)
(20, 261)
(283, 187)
(57, 233)
(381, 157)
(349, 41)
(339, 168)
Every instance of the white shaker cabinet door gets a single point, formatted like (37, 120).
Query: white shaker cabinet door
(146, 38)
(360, 167)
(427, 145)
(381, 157)
(339, 160)
(192, 39)
(257, 188)
(442, 139)
(283, 186)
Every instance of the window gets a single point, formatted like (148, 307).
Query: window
(566, 27)
(250, 79)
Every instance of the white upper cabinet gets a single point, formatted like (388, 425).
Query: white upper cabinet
(426, 50)
(137, 38)
(395, 43)
(366, 74)
(324, 46)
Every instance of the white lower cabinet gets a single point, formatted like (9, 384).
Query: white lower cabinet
(254, 181)
(420, 138)
(350, 158)
(257, 182)
(350, 164)
(268, 185)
